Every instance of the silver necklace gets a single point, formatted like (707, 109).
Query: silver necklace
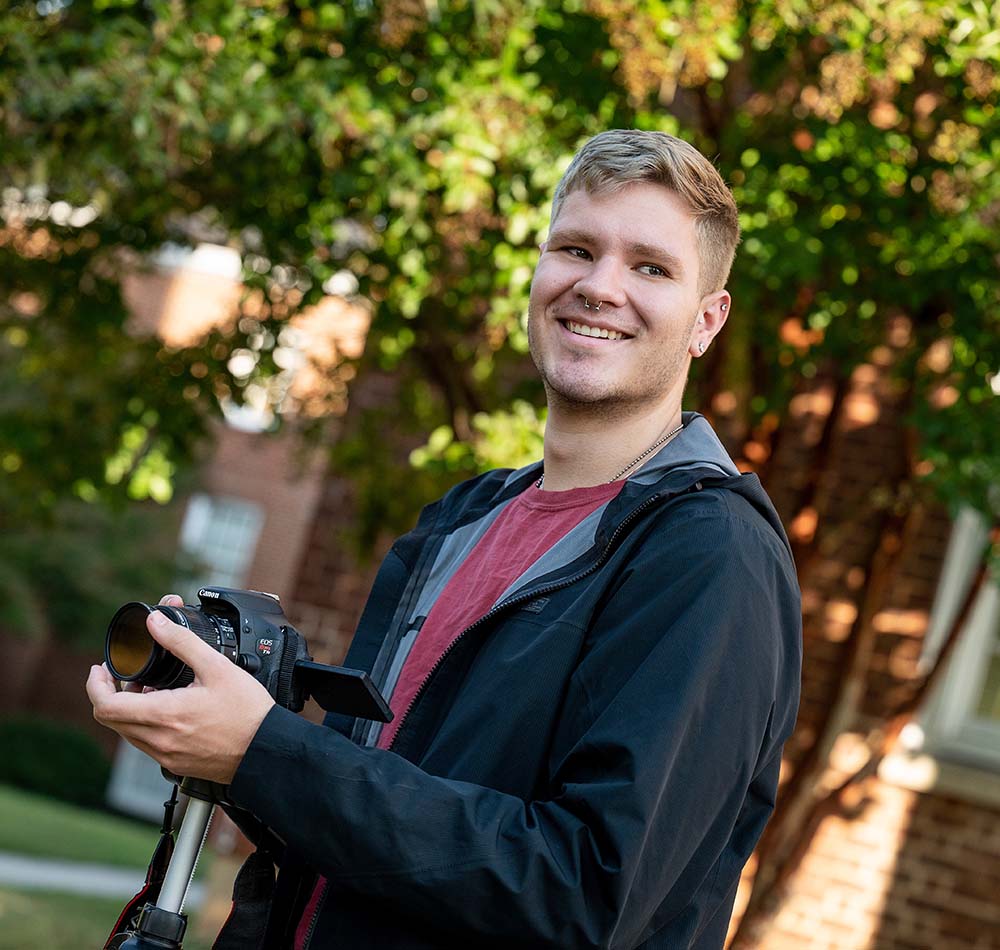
(634, 461)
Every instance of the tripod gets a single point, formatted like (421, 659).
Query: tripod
(161, 924)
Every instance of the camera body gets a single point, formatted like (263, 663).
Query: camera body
(253, 631)
(250, 629)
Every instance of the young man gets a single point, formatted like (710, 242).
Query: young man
(593, 661)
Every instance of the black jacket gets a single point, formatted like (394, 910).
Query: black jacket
(590, 765)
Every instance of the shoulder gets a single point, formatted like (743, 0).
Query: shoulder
(704, 592)
(461, 505)
(715, 523)
(473, 497)
(709, 559)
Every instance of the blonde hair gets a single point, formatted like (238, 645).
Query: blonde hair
(616, 158)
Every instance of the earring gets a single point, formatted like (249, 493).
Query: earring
(724, 307)
(701, 347)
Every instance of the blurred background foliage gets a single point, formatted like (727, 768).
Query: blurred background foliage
(403, 154)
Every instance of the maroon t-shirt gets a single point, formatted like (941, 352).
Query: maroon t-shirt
(530, 525)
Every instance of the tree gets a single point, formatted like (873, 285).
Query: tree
(404, 153)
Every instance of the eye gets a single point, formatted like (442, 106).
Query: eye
(577, 252)
(652, 270)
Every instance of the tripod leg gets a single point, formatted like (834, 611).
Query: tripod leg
(190, 839)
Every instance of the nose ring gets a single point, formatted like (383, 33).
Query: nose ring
(587, 306)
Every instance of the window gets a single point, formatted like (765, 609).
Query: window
(220, 535)
(962, 719)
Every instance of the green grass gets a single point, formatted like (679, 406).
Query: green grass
(41, 827)
(34, 825)
(41, 921)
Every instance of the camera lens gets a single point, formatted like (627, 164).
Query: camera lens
(133, 656)
(129, 647)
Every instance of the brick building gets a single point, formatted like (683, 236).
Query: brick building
(259, 494)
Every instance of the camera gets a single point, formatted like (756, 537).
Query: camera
(250, 628)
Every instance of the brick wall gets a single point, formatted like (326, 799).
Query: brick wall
(331, 583)
(900, 869)
(909, 871)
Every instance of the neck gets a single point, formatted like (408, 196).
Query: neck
(582, 452)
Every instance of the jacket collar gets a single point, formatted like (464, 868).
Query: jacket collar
(695, 447)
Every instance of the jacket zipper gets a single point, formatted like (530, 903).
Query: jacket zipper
(307, 940)
(521, 599)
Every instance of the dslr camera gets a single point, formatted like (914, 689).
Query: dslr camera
(250, 628)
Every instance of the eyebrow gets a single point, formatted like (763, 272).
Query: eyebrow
(652, 252)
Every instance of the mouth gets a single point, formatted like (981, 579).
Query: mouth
(594, 332)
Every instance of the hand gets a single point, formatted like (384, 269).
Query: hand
(200, 731)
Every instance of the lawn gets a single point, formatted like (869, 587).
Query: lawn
(43, 827)
(39, 921)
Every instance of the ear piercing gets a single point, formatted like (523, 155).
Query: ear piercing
(701, 347)
(724, 307)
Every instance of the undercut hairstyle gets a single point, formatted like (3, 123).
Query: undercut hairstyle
(611, 160)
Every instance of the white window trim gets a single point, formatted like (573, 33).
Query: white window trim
(202, 510)
(946, 748)
(948, 722)
(137, 785)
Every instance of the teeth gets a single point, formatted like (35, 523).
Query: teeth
(583, 330)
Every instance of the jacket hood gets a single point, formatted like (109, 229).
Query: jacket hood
(695, 446)
(698, 448)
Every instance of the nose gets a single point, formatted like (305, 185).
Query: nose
(603, 282)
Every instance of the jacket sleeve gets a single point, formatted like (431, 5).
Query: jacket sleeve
(669, 738)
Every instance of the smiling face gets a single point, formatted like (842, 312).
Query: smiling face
(633, 252)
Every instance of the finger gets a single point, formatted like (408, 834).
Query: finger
(110, 706)
(100, 684)
(185, 645)
(172, 600)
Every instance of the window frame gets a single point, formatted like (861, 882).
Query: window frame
(948, 726)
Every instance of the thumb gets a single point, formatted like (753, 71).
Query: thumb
(185, 645)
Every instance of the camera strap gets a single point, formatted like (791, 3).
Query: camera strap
(149, 892)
